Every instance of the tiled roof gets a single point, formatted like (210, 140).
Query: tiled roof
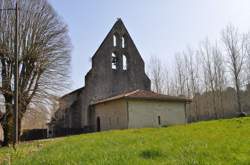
(70, 93)
(144, 95)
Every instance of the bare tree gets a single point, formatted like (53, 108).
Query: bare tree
(186, 72)
(44, 57)
(236, 52)
(38, 116)
(180, 75)
(219, 77)
(157, 74)
(193, 77)
(192, 66)
(172, 87)
(248, 61)
(167, 82)
(206, 52)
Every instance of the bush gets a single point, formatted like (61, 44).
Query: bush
(243, 114)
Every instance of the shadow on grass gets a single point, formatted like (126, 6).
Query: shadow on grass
(151, 154)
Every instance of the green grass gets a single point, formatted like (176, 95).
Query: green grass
(212, 142)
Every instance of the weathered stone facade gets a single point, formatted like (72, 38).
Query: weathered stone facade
(111, 115)
(117, 67)
(67, 114)
(124, 113)
(102, 81)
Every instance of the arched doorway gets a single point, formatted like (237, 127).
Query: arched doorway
(98, 124)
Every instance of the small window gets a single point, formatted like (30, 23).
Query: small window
(123, 42)
(114, 41)
(159, 120)
(114, 61)
(124, 62)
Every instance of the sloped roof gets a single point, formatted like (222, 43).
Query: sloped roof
(144, 95)
(72, 92)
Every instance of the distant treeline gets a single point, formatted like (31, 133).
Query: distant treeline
(215, 75)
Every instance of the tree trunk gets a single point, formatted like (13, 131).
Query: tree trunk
(7, 122)
(19, 128)
(239, 101)
(22, 110)
(238, 94)
(214, 104)
(8, 129)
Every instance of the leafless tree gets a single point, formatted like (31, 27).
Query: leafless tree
(219, 77)
(39, 115)
(206, 52)
(192, 66)
(192, 63)
(167, 82)
(186, 74)
(44, 57)
(180, 75)
(171, 85)
(156, 72)
(248, 60)
(236, 51)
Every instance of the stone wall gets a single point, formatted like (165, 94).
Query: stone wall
(145, 113)
(123, 113)
(112, 115)
(102, 81)
(68, 116)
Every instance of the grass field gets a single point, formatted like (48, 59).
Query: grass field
(212, 142)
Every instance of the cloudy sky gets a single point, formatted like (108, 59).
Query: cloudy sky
(158, 27)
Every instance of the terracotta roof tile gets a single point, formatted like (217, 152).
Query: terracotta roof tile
(144, 95)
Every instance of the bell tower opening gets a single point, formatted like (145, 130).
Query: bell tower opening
(124, 62)
(114, 61)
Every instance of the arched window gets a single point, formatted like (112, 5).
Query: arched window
(124, 62)
(114, 61)
(123, 42)
(114, 41)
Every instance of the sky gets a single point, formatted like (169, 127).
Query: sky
(158, 27)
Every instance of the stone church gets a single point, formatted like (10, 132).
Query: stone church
(116, 94)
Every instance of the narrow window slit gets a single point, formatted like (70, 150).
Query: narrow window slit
(159, 120)
(114, 41)
(124, 62)
(123, 42)
(114, 61)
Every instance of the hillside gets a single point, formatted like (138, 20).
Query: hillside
(212, 142)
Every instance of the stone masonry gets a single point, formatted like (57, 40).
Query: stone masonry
(117, 67)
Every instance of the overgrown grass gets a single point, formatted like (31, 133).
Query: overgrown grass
(212, 142)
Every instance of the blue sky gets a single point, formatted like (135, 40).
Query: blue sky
(158, 27)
